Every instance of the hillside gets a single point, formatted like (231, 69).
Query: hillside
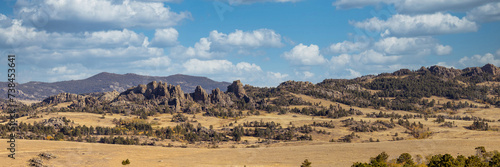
(106, 82)
(410, 108)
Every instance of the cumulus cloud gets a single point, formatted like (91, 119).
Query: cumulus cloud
(411, 46)
(361, 59)
(245, 2)
(486, 13)
(219, 44)
(304, 55)
(480, 60)
(17, 35)
(196, 66)
(165, 37)
(68, 72)
(154, 61)
(418, 25)
(201, 49)
(304, 74)
(413, 6)
(353, 73)
(277, 76)
(100, 14)
(5, 21)
(348, 47)
(241, 39)
(225, 70)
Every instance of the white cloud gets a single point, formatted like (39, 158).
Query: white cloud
(247, 67)
(340, 60)
(196, 66)
(224, 70)
(273, 79)
(478, 60)
(364, 58)
(443, 50)
(415, 6)
(17, 35)
(68, 72)
(348, 47)
(152, 62)
(485, 13)
(201, 49)
(100, 13)
(219, 44)
(411, 46)
(254, 39)
(353, 73)
(419, 25)
(5, 21)
(244, 2)
(305, 55)
(304, 74)
(165, 37)
(277, 75)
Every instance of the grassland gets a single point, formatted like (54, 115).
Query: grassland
(455, 140)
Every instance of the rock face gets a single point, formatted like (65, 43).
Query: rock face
(445, 72)
(220, 98)
(109, 96)
(475, 71)
(402, 72)
(237, 88)
(158, 92)
(491, 69)
(441, 71)
(63, 97)
(200, 95)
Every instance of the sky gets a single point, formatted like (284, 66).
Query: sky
(260, 42)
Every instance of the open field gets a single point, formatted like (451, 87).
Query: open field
(319, 153)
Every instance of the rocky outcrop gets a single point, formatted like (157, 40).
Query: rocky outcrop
(295, 84)
(62, 97)
(486, 69)
(200, 95)
(237, 88)
(473, 71)
(445, 72)
(87, 101)
(402, 72)
(423, 70)
(158, 92)
(441, 71)
(109, 96)
(491, 69)
(56, 122)
(220, 98)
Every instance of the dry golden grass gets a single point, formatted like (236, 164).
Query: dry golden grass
(456, 140)
(319, 153)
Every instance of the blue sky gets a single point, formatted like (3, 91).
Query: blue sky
(260, 42)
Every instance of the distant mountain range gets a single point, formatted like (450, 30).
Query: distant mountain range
(105, 82)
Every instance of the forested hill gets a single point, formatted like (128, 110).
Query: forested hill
(106, 82)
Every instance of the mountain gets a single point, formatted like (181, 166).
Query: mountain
(106, 82)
